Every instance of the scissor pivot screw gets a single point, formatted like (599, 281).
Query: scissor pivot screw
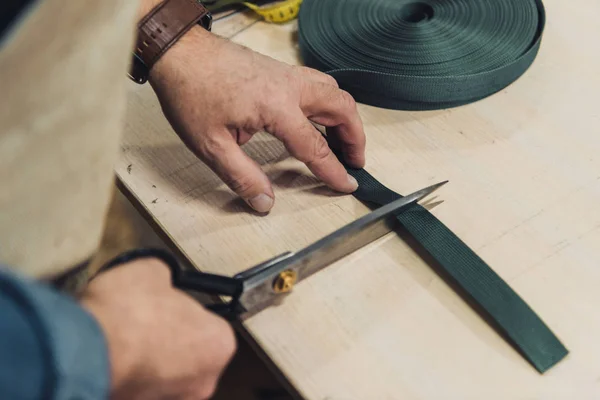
(285, 281)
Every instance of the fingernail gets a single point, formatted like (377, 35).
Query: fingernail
(352, 182)
(261, 203)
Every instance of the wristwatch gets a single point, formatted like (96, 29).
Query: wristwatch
(160, 29)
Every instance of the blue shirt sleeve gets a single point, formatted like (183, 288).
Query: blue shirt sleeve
(50, 347)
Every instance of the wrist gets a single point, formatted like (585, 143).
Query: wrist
(163, 25)
(197, 39)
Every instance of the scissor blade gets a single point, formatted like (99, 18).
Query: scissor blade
(356, 234)
(331, 248)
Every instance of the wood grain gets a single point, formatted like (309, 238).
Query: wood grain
(524, 193)
(229, 23)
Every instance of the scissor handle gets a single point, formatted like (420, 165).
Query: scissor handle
(207, 283)
(215, 285)
(190, 280)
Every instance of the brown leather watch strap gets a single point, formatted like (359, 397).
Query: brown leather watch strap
(161, 28)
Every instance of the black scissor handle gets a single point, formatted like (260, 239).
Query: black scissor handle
(190, 280)
(207, 283)
(216, 285)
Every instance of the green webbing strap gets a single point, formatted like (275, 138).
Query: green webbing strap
(421, 55)
(510, 314)
(433, 54)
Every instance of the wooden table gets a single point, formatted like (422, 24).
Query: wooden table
(524, 167)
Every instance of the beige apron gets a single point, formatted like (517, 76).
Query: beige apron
(62, 80)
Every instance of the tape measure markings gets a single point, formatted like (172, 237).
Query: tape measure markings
(280, 12)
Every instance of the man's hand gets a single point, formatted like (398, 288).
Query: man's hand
(162, 343)
(217, 94)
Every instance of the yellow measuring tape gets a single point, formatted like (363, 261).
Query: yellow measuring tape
(279, 12)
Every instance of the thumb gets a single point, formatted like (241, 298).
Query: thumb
(242, 174)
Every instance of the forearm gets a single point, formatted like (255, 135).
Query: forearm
(50, 347)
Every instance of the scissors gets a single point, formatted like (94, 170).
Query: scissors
(265, 284)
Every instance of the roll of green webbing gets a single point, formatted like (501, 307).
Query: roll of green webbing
(421, 55)
(431, 54)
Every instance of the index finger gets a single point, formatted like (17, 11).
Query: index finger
(305, 143)
(336, 109)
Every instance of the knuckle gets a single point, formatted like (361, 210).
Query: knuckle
(211, 146)
(305, 89)
(346, 100)
(304, 69)
(321, 149)
(243, 185)
(221, 335)
(318, 75)
(207, 389)
(295, 75)
(272, 126)
(331, 80)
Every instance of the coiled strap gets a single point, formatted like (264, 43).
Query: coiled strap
(421, 55)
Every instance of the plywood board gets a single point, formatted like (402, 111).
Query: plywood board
(524, 193)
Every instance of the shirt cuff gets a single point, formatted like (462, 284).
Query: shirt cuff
(74, 349)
